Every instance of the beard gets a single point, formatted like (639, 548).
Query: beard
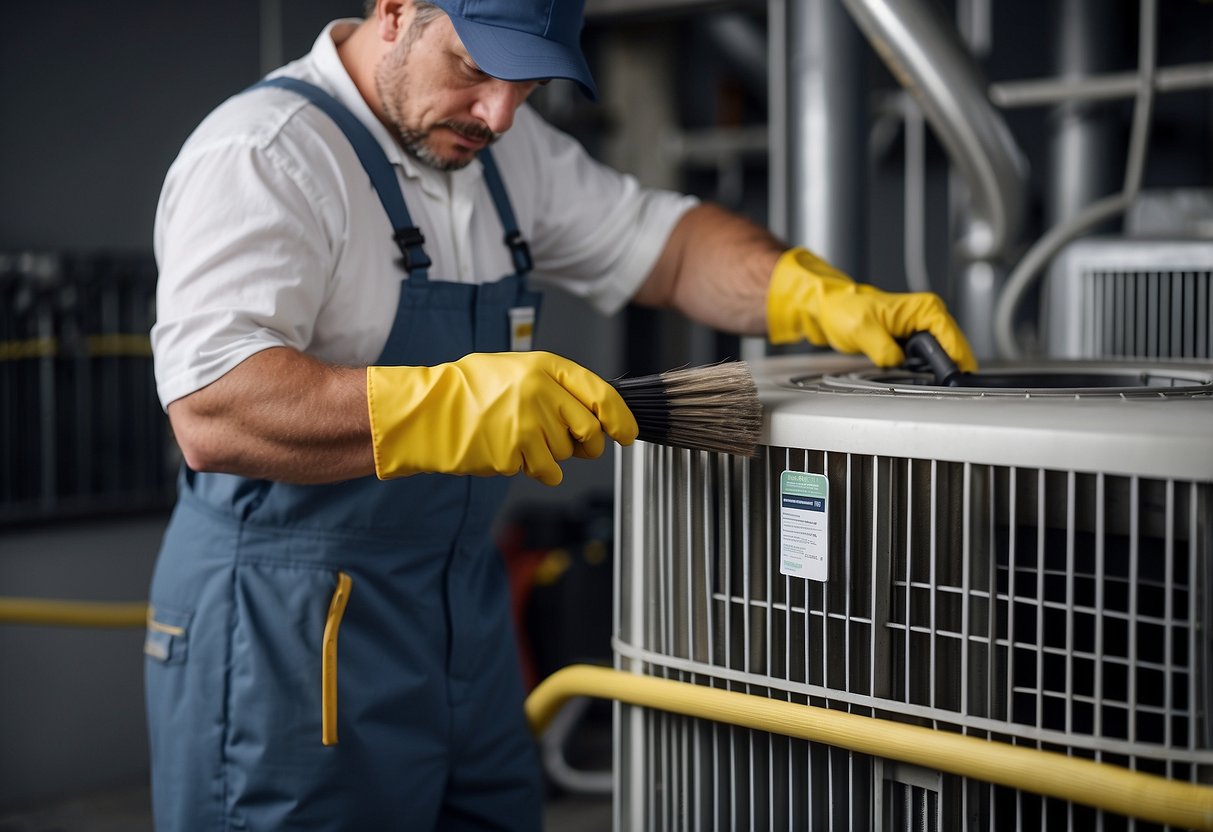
(391, 82)
(416, 142)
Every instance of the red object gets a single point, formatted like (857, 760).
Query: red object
(520, 565)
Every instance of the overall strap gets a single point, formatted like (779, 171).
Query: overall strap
(407, 236)
(519, 250)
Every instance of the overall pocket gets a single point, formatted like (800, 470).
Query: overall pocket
(167, 639)
(282, 693)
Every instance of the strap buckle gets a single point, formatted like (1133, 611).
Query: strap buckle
(520, 251)
(410, 241)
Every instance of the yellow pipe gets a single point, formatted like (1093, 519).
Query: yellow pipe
(28, 348)
(1104, 786)
(73, 613)
(120, 344)
(110, 344)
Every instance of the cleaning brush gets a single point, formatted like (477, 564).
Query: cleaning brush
(712, 408)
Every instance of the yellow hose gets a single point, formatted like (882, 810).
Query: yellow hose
(1104, 786)
(73, 613)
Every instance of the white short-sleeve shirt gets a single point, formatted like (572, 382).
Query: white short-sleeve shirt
(268, 232)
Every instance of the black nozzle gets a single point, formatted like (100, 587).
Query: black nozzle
(923, 352)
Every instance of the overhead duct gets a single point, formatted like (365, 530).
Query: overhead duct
(1024, 561)
(924, 52)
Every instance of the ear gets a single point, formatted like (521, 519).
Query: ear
(392, 18)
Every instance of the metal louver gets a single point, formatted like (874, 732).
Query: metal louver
(1028, 566)
(1131, 298)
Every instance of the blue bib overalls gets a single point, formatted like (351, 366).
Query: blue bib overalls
(342, 656)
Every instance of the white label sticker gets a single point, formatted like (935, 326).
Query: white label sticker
(522, 328)
(804, 525)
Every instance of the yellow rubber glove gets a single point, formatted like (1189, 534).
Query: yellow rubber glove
(809, 299)
(492, 413)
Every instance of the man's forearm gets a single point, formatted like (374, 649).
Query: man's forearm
(278, 415)
(715, 269)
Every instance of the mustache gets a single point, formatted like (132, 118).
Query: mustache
(470, 130)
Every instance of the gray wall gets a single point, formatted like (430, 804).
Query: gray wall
(71, 700)
(96, 99)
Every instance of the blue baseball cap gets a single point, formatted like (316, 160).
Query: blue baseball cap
(523, 40)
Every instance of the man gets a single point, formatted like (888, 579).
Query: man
(329, 644)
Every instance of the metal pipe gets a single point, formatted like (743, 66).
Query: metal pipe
(915, 199)
(1043, 250)
(777, 122)
(741, 42)
(1047, 91)
(710, 146)
(755, 347)
(1104, 786)
(976, 290)
(825, 147)
(556, 764)
(1081, 138)
(924, 51)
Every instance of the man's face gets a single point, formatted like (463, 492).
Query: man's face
(443, 107)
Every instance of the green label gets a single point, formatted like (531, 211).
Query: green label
(804, 525)
(801, 484)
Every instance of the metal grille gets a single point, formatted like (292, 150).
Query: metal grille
(81, 430)
(1126, 298)
(1055, 609)
(1159, 314)
(911, 799)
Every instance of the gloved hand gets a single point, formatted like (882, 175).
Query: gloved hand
(492, 413)
(810, 299)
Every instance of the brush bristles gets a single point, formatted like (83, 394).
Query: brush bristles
(712, 408)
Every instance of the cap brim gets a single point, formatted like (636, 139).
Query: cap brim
(519, 56)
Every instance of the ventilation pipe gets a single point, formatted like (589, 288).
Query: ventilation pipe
(1083, 135)
(816, 82)
(924, 52)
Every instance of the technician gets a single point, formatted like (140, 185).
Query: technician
(349, 260)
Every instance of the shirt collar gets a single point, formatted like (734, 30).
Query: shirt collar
(328, 65)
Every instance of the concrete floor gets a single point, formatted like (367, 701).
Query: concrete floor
(586, 749)
(127, 811)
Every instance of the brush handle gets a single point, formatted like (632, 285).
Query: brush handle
(923, 347)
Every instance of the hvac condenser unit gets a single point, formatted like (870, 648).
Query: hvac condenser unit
(1131, 297)
(1026, 561)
